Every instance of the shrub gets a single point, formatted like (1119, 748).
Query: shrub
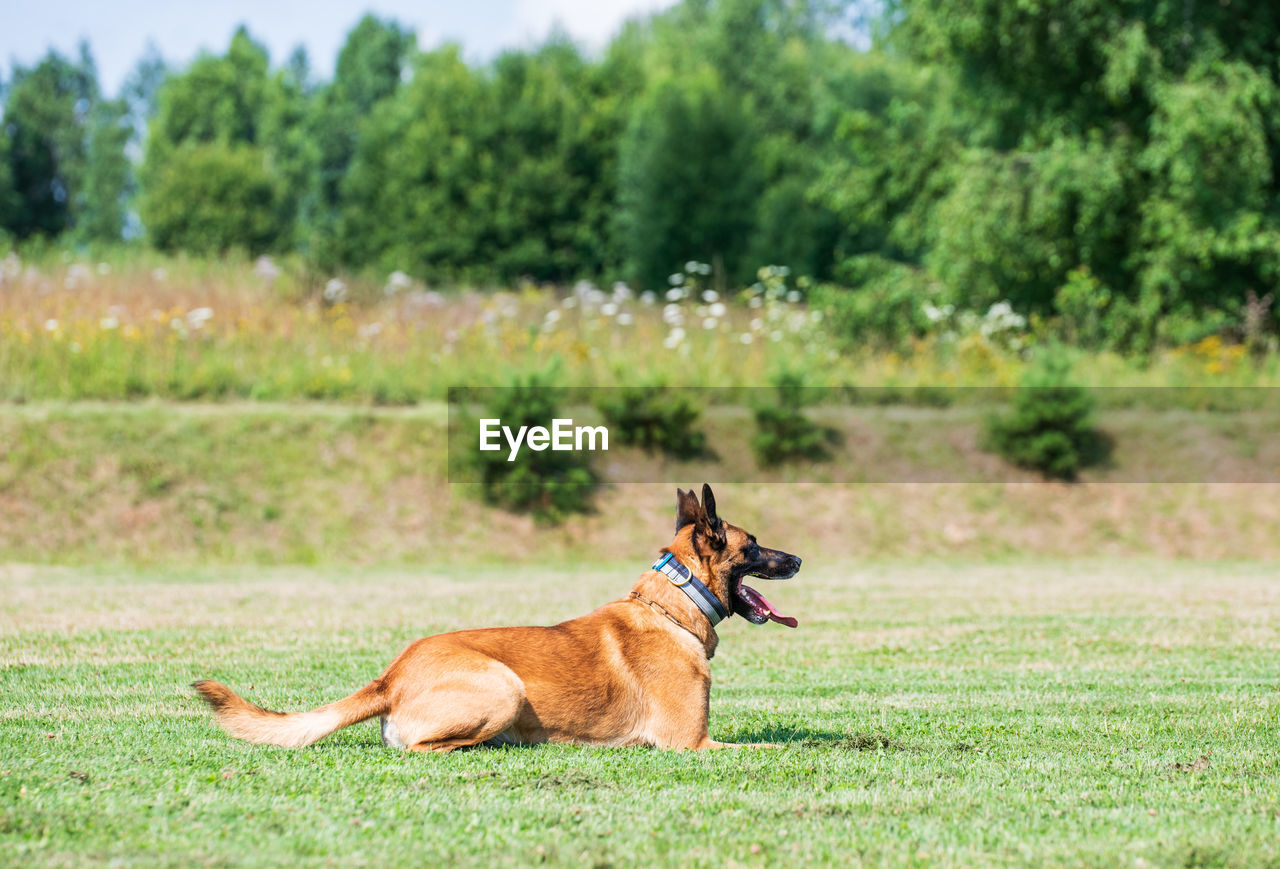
(1050, 425)
(887, 309)
(550, 484)
(206, 199)
(1082, 304)
(654, 418)
(784, 433)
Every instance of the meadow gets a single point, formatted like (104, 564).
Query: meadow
(235, 469)
(1059, 713)
(139, 325)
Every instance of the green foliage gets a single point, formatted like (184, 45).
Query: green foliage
(467, 174)
(216, 99)
(1049, 427)
(655, 418)
(688, 179)
(885, 310)
(209, 198)
(1083, 304)
(369, 70)
(216, 173)
(45, 124)
(550, 484)
(982, 152)
(109, 178)
(1138, 140)
(783, 432)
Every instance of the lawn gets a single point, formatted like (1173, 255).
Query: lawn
(1062, 713)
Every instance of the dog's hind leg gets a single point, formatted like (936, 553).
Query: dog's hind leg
(461, 709)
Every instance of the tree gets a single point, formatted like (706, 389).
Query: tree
(209, 178)
(688, 177)
(45, 119)
(371, 67)
(1139, 140)
(108, 180)
(211, 197)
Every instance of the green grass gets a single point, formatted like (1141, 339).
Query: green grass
(932, 715)
(140, 325)
(255, 483)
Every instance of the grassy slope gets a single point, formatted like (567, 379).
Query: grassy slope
(259, 483)
(940, 716)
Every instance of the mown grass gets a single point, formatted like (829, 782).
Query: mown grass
(1014, 715)
(137, 326)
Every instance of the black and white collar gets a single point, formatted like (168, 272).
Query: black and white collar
(682, 578)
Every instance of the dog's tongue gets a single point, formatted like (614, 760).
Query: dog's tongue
(757, 600)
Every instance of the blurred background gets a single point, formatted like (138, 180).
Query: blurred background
(245, 251)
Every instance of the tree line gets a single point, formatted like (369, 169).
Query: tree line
(1110, 161)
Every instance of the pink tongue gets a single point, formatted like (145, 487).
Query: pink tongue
(757, 600)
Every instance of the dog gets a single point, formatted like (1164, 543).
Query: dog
(633, 672)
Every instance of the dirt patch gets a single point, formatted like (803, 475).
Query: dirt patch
(1200, 764)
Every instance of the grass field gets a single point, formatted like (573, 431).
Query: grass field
(1073, 713)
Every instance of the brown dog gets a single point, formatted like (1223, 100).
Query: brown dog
(634, 672)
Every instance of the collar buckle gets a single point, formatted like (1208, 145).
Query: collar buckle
(682, 578)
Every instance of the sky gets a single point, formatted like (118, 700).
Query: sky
(118, 31)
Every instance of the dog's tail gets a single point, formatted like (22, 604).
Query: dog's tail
(242, 719)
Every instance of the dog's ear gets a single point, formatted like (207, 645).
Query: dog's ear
(712, 526)
(688, 511)
(709, 505)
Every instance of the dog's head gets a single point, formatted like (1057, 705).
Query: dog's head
(726, 555)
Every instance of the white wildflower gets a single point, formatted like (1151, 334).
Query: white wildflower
(266, 269)
(621, 292)
(717, 309)
(51, 325)
(397, 282)
(710, 296)
(793, 296)
(672, 315)
(710, 323)
(624, 319)
(197, 317)
(10, 268)
(648, 298)
(108, 323)
(77, 275)
(674, 337)
(335, 291)
(745, 338)
(675, 279)
(609, 309)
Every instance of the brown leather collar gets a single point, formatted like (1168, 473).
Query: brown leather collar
(659, 608)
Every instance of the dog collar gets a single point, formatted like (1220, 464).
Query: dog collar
(682, 578)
